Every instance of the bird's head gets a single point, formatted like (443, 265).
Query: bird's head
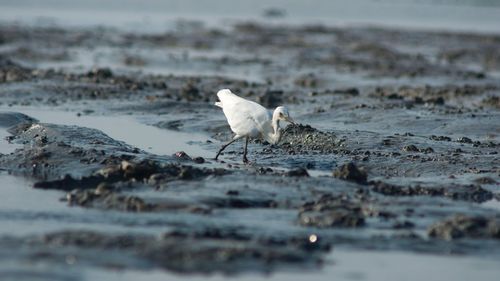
(281, 113)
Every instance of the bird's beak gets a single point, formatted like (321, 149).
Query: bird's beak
(289, 119)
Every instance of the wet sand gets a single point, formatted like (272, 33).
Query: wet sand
(109, 136)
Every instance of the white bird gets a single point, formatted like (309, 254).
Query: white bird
(249, 119)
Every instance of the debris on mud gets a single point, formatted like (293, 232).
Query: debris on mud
(464, 226)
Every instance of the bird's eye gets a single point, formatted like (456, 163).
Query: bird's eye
(281, 114)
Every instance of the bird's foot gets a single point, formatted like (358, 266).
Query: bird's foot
(246, 161)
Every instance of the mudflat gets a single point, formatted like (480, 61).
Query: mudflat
(110, 135)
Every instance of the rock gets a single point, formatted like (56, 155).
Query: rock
(182, 156)
(334, 218)
(68, 183)
(410, 148)
(472, 193)
(464, 140)
(347, 91)
(299, 172)
(462, 226)
(190, 92)
(239, 202)
(485, 180)
(427, 150)
(199, 160)
(103, 73)
(307, 81)
(440, 138)
(351, 172)
(436, 101)
(332, 211)
(403, 225)
(491, 101)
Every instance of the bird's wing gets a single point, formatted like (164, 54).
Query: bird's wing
(245, 117)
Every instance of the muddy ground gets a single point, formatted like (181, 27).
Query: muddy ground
(396, 148)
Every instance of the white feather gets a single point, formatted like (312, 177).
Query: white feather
(246, 118)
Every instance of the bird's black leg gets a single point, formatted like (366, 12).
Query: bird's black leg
(224, 147)
(245, 159)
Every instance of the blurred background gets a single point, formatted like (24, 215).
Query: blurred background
(155, 15)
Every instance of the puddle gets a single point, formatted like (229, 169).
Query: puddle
(126, 129)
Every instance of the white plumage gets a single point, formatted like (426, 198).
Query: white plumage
(249, 119)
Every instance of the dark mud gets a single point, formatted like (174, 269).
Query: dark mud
(396, 146)
(174, 251)
(51, 151)
(472, 193)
